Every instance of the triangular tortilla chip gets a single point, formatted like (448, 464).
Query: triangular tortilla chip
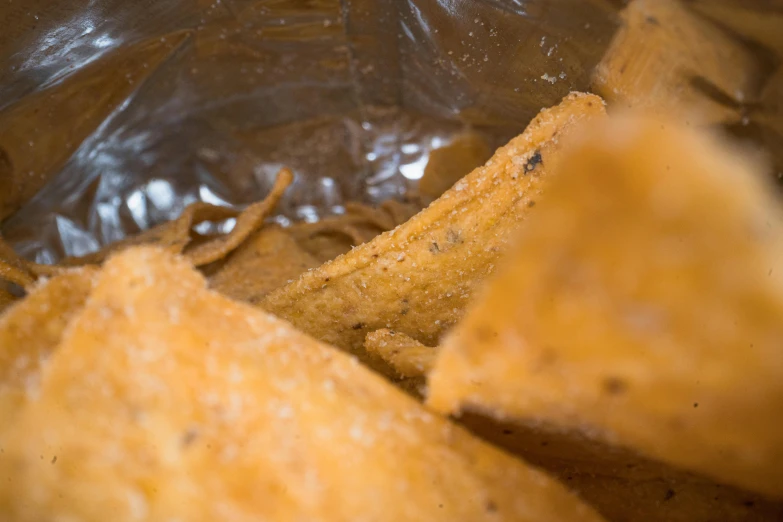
(417, 278)
(31, 330)
(643, 306)
(166, 401)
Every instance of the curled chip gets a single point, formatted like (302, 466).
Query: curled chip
(417, 278)
(30, 332)
(175, 236)
(668, 59)
(643, 307)
(274, 256)
(167, 401)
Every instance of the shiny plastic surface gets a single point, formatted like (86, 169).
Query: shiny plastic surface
(116, 114)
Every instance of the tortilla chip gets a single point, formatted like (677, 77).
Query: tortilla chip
(175, 236)
(13, 268)
(667, 59)
(417, 278)
(268, 260)
(334, 236)
(274, 257)
(643, 306)
(250, 220)
(449, 164)
(167, 401)
(30, 331)
(407, 356)
(756, 23)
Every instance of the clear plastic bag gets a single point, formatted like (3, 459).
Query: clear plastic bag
(115, 115)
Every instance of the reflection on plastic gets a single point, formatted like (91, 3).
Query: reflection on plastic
(115, 115)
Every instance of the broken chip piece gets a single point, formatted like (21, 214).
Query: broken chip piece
(418, 278)
(175, 236)
(643, 306)
(167, 401)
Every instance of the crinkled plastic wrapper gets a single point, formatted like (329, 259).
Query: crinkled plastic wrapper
(116, 114)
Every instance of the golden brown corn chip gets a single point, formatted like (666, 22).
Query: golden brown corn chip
(643, 306)
(407, 356)
(13, 268)
(333, 236)
(266, 261)
(250, 220)
(175, 236)
(757, 23)
(274, 257)
(417, 278)
(30, 331)
(449, 164)
(667, 59)
(167, 401)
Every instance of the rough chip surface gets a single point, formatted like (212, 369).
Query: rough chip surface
(418, 278)
(31, 330)
(274, 256)
(643, 306)
(408, 356)
(166, 401)
(266, 261)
